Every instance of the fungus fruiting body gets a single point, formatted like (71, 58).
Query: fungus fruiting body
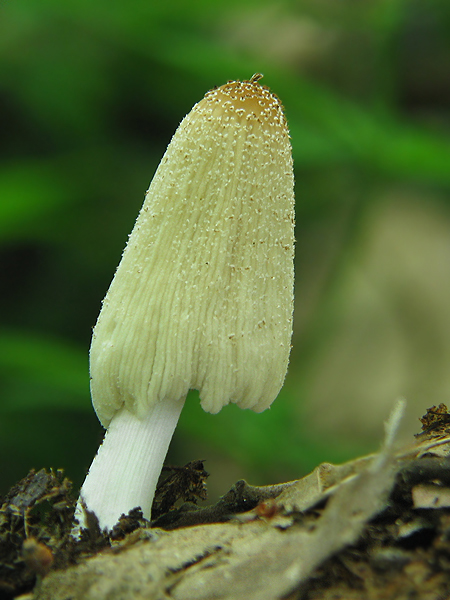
(203, 296)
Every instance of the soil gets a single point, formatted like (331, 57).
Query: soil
(375, 528)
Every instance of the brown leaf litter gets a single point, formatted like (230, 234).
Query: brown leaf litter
(375, 528)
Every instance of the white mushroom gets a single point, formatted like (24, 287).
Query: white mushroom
(203, 296)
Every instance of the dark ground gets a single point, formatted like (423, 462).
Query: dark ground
(399, 548)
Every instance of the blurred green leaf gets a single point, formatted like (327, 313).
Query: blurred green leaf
(29, 191)
(41, 361)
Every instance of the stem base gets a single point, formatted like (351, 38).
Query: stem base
(125, 471)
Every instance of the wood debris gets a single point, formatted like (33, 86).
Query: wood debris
(374, 528)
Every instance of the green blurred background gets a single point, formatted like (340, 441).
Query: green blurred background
(90, 94)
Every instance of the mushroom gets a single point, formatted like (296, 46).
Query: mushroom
(203, 296)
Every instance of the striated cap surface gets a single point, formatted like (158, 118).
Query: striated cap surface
(203, 296)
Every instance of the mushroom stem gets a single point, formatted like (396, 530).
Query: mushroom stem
(125, 471)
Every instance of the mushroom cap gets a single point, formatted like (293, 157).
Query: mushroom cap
(203, 296)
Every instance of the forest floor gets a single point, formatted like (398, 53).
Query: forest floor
(375, 528)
